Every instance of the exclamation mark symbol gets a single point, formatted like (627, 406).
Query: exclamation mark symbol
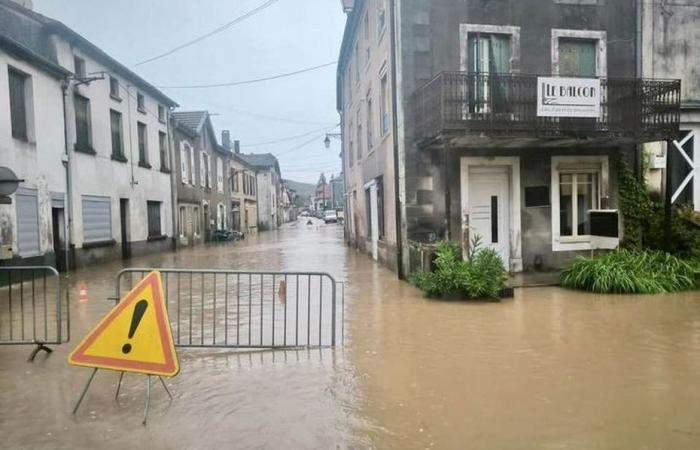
(139, 311)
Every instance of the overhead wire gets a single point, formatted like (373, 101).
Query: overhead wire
(289, 138)
(255, 80)
(224, 27)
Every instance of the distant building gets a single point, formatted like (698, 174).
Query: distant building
(323, 196)
(269, 189)
(243, 187)
(101, 188)
(337, 184)
(203, 195)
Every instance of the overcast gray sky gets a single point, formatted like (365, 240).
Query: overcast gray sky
(287, 36)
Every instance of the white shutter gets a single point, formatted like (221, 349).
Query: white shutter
(183, 163)
(219, 175)
(202, 172)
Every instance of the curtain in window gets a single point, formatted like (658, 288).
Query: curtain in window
(489, 63)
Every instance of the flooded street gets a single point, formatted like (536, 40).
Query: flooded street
(550, 369)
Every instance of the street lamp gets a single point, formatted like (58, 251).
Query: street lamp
(327, 140)
(8, 185)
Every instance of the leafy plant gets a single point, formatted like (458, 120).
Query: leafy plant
(632, 272)
(481, 275)
(635, 204)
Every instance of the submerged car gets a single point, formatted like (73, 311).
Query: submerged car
(330, 217)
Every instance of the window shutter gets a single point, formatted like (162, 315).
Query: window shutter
(202, 172)
(183, 163)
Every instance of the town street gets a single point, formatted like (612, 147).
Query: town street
(547, 369)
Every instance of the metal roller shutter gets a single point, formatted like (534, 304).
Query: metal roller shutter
(27, 223)
(97, 218)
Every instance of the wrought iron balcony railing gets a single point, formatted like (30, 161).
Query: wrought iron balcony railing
(505, 106)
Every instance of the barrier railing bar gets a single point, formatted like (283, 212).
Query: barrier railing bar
(320, 308)
(214, 307)
(238, 309)
(308, 314)
(191, 307)
(262, 288)
(250, 306)
(274, 286)
(201, 302)
(285, 309)
(296, 312)
(226, 311)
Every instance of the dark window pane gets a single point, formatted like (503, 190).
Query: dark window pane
(153, 218)
(143, 144)
(116, 125)
(18, 105)
(82, 122)
(494, 219)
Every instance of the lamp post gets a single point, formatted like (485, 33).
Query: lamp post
(8, 185)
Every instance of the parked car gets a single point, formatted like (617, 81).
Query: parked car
(330, 216)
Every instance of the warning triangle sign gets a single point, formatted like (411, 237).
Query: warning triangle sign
(134, 336)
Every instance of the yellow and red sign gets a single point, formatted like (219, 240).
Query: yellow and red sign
(134, 336)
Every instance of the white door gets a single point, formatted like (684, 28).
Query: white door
(489, 206)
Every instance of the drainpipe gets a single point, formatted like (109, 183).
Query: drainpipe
(395, 138)
(133, 181)
(173, 181)
(68, 220)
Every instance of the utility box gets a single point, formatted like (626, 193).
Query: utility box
(5, 251)
(605, 223)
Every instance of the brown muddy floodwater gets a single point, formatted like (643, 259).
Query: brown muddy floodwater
(549, 369)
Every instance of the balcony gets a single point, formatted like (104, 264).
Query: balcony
(476, 109)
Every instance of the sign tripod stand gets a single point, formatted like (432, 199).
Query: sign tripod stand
(119, 385)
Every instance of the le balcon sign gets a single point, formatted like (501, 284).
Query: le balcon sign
(568, 97)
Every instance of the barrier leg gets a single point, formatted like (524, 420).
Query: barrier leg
(39, 346)
(82, 396)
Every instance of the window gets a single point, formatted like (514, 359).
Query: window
(143, 145)
(380, 207)
(97, 218)
(219, 176)
(186, 171)
(79, 67)
(578, 194)
(114, 88)
(351, 150)
(578, 185)
(365, 24)
(153, 218)
(370, 124)
(234, 180)
(381, 17)
(140, 103)
(204, 171)
(577, 57)
(368, 212)
(18, 104)
(183, 221)
(357, 62)
(83, 133)
(359, 137)
(384, 106)
(115, 120)
(196, 220)
(489, 54)
(163, 147)
(161, 113)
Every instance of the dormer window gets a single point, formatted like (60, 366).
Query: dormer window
(79, 67)
(140, 103)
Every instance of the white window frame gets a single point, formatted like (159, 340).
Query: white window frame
(599, 164)
(384, 104)
(601, 37)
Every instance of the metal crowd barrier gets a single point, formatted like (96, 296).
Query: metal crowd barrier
(242, 309)
(32, 311)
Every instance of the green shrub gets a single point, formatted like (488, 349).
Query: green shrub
(481, 275)
(632, 272)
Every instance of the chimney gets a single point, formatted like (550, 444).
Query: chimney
(348, 5)
(226, 139)
(237, 146)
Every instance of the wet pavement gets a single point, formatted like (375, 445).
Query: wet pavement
(550, 369)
